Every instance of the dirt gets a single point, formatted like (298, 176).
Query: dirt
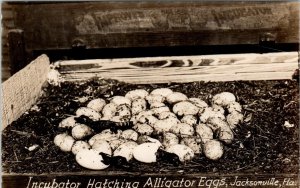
(262, 143)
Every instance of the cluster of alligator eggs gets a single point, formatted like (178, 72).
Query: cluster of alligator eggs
(188, 126)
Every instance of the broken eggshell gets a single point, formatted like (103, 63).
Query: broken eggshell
(146, 152)
(90, 159)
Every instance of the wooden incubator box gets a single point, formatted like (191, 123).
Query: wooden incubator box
(98, 106)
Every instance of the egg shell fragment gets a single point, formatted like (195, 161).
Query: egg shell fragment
(185, 108)
(126, 150)
(162, 91)
(146, 152)
(68, 122)
(90, 159)
(81, 131)
(92, 114)
(137, 94)
(213, 149)
(147, 139)
(97, 104)
(182, 151)
(176, 97)
(80, 145)
(102, 146)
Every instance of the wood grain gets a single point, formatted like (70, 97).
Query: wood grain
(268, 66)
(145, 24)
(21, 90)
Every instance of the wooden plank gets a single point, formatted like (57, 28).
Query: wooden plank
(144, 24)
(270, 66)
(21, 90)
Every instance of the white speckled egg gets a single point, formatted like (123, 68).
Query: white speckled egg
(102, 146)
(97, 104)
(80, 145)
(81, 131)
(69, 122)
(213, 149)
(89, 113)
(126, 150)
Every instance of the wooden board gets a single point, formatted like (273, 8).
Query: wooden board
(146, 24)
(22, 90)
(268, 66)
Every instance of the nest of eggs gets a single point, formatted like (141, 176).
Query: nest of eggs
(248, 126)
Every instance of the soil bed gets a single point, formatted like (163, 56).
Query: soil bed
(262, 143)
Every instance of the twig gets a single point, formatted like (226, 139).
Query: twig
(246, 166)
(21, 132)
(15, 154)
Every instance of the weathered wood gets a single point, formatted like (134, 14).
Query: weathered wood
(145, 24)
(16, 50)
(268, 66)
(21, 90)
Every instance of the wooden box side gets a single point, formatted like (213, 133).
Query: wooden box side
(22, 90)
(230, 67)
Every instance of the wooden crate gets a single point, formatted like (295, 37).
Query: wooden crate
(101, 25)
(22, 90)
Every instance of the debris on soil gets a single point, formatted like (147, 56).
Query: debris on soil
(261, 145)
